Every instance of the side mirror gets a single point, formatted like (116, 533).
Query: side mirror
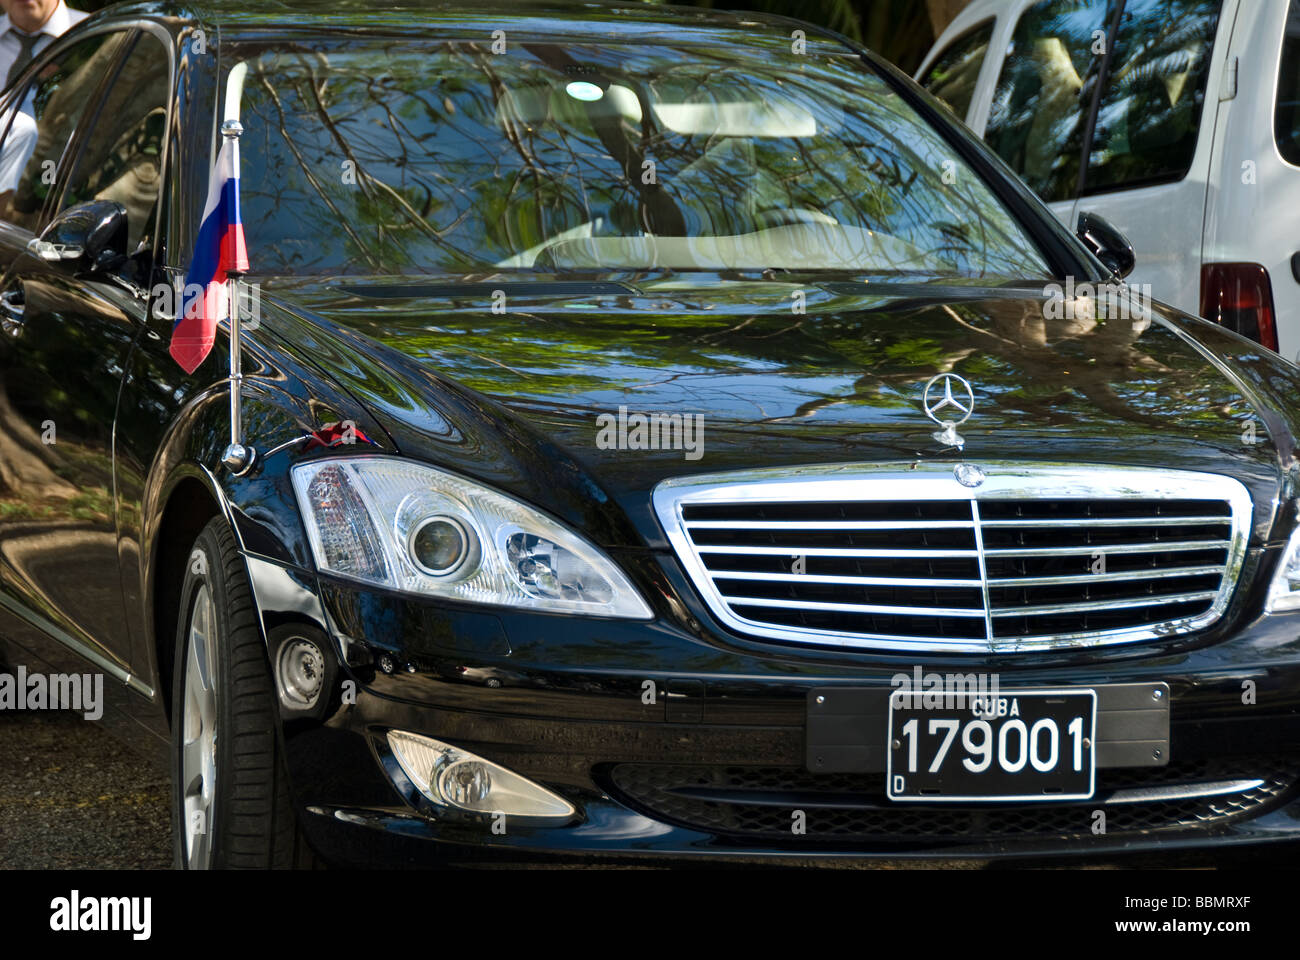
(1109, 245)
(88, 236)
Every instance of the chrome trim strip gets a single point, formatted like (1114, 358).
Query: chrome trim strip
(1086, 605)
(82, 649)
(917, 482)
(784, 604)
(1182, 791)
(984, 573)
(838, 552)
(1162, 573)
(1179, 791)
(831, 578)
(829, 524)
(1110, 522)
(1171, 547)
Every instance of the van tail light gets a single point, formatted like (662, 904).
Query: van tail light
(1239, 296)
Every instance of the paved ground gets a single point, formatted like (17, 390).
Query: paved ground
(73, 797)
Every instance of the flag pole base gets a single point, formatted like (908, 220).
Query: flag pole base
(238, 459)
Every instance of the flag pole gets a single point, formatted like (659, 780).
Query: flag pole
(237, 457)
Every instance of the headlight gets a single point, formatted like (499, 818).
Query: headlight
(408, 527)
(1284, 591)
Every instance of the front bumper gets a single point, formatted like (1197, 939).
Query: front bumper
(563, 701)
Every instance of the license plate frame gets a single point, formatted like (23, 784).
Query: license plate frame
(958, 777)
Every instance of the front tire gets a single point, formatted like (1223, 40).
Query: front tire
(230, 793)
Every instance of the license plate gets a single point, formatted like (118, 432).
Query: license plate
(1015, 745)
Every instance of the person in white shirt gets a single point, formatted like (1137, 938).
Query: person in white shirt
(27, 28)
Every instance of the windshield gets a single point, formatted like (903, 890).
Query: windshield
(447, 158)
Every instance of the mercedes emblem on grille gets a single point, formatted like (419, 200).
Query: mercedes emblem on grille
(949, 405)
(968, 475)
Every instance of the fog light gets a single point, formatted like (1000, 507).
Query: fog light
(466, 783)
(458, 780)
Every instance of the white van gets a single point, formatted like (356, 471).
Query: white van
(1188, 115)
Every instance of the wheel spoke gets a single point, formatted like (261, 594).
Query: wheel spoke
(193, 764)
(199, 732)
(201, 636)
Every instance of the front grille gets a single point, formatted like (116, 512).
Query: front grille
(758, 802)
(1034, 557)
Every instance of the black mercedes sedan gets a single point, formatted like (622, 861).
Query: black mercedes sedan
(639, 433)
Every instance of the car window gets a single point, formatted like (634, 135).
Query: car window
(439, 158)
(1150, 109)
(1041, 101)
(952, 76)
(1287, 115)
(38, 131)
(120, 156)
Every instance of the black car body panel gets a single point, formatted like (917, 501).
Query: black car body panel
(428, 372)
(838, 387)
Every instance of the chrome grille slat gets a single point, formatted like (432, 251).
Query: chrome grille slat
(1106, 522)
(893, 610)
(831, 525)
(904, 557)
(833, 551)
(1144, 574)
(1180, 791)
(984, 569)
(1101, 604)
(864, 581)
(1155, 547)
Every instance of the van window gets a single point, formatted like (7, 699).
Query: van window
(1287, 113)
(1040, 105)
(954, 72)
(1150, 109)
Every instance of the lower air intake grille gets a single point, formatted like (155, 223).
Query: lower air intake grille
(757, 802)
(1033, 558)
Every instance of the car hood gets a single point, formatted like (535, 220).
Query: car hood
(512, 383)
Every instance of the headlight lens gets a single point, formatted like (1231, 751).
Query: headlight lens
(1284, 591)
(405, 526)
(441, 545)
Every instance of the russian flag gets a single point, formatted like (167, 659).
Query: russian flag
(220, 250)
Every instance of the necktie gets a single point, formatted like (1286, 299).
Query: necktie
(24, 56)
